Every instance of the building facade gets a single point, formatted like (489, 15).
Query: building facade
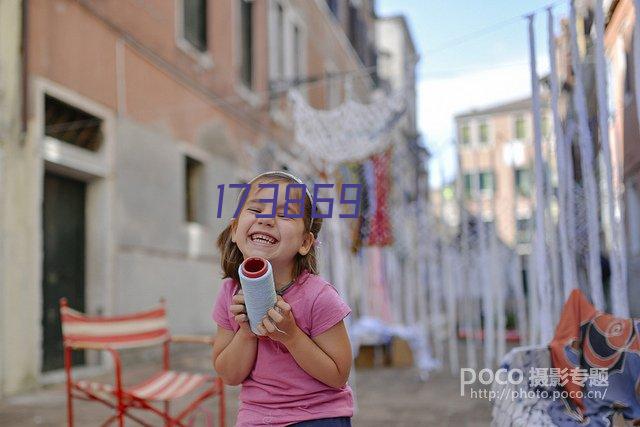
(10, 139)
(135, 114)
(496, 155)
(397, 60)
(624, 132)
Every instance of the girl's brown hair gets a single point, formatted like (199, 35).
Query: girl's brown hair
(231, 257)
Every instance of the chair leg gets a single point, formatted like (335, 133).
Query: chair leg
(167, 421)
(69, 409)
(67, 368)
(221, 402)
(121, 411)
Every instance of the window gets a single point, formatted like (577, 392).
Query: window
(488, 226)
(468, 185)
(193, 190)
(194, 14)
(633, 215)
(465, 134)
(72, 125)
(628, 78)
(519, 127)
(484, 132)
(523, 182)
(332, 87)
(354, 26)
(523, 230)
(279, 41)
(246, 34)
(546, 126)
(297, 53)
(487, 183)
(334, 6)
(287, 50)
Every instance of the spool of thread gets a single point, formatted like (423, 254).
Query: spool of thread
(256, 277)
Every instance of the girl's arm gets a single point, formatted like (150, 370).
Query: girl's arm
(235, 353)
(326, 357)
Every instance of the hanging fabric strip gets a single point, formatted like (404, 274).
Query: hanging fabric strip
(571, 196)
(435, 285)
(449, 283)
(497, 281)
(567, 257)
(486, 285)
(515, 274)
(422, 280)
(452, 258)
(636, 55)
(540, 253)
(497, 274)
(587, 167)
(465, 263)
(519, 295)
(533, 302)
(618, 291)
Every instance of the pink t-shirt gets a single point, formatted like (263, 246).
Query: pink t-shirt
(278, 391)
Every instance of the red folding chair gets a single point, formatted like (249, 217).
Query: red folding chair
(142, 329)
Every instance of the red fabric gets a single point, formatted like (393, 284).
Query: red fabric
(586, 338)
(380, 234)
(577, 311)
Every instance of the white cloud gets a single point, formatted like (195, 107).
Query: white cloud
(440, 99)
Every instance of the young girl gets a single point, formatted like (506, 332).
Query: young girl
(297, 377)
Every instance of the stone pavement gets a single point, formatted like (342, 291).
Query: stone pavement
(385, 397)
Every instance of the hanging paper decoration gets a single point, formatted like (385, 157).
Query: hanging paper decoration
(350, 132)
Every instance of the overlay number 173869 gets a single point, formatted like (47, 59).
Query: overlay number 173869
(293, 198)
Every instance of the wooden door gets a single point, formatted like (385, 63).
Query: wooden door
(63, 270)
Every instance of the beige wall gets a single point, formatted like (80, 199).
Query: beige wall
(162, 83)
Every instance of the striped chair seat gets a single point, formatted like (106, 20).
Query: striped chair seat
(164, 386)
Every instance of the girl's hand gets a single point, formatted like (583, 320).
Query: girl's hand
(280, 317)
(239, 310)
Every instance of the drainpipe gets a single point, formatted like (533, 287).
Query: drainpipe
(25, 58)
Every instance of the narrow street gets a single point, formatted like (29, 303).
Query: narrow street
(385, 397)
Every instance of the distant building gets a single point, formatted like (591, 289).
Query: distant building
(496, 154)
(397, 60)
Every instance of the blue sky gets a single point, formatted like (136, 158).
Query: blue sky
(474, 53)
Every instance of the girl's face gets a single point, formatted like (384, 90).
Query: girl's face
(277, 239)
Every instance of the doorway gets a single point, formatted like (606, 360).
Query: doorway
(63, 273)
